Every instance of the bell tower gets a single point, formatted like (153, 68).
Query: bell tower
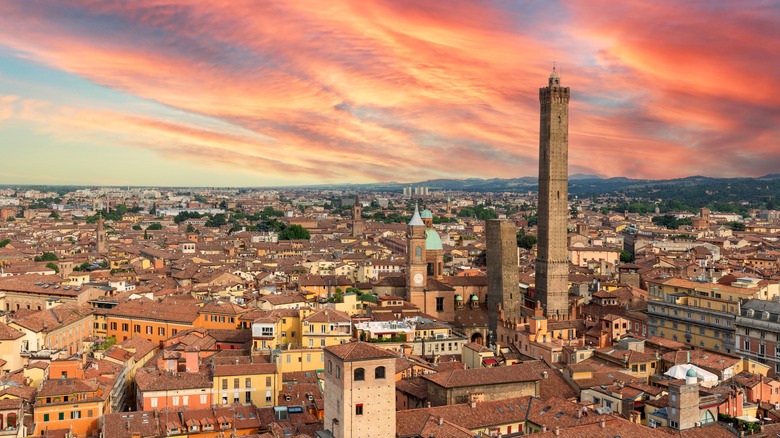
(416, 265)
(552, 264)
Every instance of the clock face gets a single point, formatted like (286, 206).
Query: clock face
(418, 278)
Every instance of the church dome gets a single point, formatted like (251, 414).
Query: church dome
(691, 373)
(426, 214)
(432, 240)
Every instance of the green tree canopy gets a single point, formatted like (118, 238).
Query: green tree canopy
(46, 257)
(294, 232)
(155, 226)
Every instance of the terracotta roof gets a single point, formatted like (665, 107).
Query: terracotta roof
(352, 351)
(484, 376)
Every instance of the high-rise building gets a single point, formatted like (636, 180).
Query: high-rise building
(503, 280)
(552, 265)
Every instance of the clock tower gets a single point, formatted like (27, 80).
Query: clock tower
(416, 265)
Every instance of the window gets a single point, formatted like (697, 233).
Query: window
(45, 417)
(266, 331)
(248, 383)
(379, 373)
(338, 372)
(235, 383)
(174, 331)
(247, 397)
(439, 304)
(330, 367)
(360, 374)
(137, 328)
(224, 383)
(148, 330)
(61, 416)
(747, 344)
(204, 399)
(125, 327)
(161, 331)
(267, 396)
(154, 402)
(175, 400)
(185, 399)
(267, 381)
(359, 409)
(113, 326)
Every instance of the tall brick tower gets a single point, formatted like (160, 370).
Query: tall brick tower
(503, 292)
(357, 218)
(416, 265)
(552, 265)
(100, 233)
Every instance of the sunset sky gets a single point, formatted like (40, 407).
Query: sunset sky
(258, 93)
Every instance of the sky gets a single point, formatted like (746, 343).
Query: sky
(264, 93)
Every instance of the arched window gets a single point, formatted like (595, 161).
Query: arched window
(379, 373)
(360, 374)
(338, 372)
(418, 252)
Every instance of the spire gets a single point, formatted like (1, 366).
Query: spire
(555, 80)
(416, 219)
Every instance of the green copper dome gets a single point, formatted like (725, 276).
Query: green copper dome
(426, 214)
(432, 240)
(458, 298)
(691, 373)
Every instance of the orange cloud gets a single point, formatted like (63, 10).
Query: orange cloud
(361, 91)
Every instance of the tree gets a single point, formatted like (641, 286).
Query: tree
(53, 267)
(526, 241)
(155, 226)
(46, 257)
(294, 232)
(137, 227)
(190, 229)
(217, 221)
(625, 256)
(736, 226)
(10, 219)
(54, 215)
(4, 242)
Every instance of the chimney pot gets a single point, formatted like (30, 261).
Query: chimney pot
(603, 423)
(557, 431)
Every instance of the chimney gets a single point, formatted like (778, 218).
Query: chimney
(579, 413)
(428, 404)
(557, 431)
(603, 423)
(544, 428)
(441, 421)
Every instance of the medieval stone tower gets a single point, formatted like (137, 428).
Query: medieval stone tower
(357, 218)
(552, 265)
(101, 235)
(503, 295)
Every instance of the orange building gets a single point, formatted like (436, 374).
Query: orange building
(157, 389)
(74, 404)
(154, 321)
(218, 314)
